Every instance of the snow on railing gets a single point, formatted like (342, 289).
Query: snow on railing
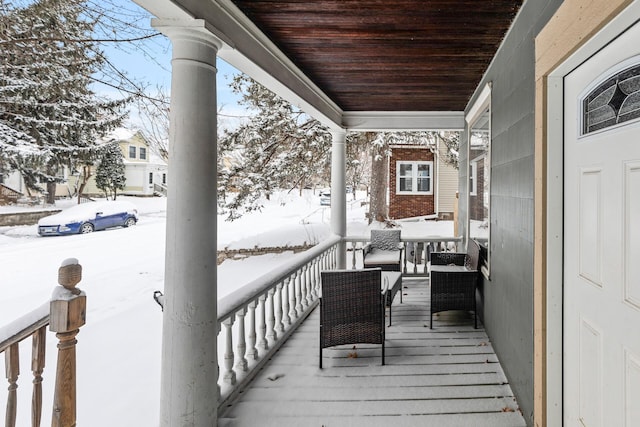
(415, 255)
(260, 316)
(65, 314)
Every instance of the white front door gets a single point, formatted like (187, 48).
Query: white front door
(601, 360)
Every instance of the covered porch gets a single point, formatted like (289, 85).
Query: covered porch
(445, 376)
(354, 66)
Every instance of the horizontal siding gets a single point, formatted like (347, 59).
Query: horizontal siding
(448, 183)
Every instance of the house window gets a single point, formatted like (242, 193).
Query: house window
(614, 101)
(164, 179)
(414, 177)
(143, 153)
(479, 167)
(150, 177)
(132, 152)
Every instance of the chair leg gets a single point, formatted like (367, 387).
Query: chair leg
(430, 320)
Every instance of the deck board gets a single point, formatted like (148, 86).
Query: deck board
(446, 376)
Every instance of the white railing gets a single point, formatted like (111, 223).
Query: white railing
(255, 320)
(415, 255)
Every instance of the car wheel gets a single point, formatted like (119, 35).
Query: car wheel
(129, 222)
(85, 228)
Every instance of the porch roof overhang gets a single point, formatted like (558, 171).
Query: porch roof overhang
(359, 65)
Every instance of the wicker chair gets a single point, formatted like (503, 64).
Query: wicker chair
(384, 251)
(352, 308)
(453, 288)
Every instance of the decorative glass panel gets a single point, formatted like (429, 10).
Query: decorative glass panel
(614, 101)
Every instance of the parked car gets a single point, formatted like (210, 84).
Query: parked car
(89, 217)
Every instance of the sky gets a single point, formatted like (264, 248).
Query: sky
(118, 350)
(156, 71)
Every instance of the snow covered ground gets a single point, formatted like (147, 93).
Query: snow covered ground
(119, 347)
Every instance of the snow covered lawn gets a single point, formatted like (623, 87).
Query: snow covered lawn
(119, 347)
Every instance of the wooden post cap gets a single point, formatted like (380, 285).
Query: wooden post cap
(70, 274)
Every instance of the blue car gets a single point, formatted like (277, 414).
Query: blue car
(89, 217)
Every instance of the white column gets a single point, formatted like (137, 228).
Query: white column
(189, 391)
(338, 192)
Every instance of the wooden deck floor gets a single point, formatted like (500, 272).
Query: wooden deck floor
(447, 376)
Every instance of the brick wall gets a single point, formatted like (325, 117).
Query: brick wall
(409, 205)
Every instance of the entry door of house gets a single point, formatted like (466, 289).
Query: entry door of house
(601, 336)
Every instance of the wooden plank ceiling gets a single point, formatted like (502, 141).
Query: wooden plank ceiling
(388, 55)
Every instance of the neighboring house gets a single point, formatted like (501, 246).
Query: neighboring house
(145, 173)
(421, 183)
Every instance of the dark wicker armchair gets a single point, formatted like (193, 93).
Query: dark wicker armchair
(383, 251)
(352, 308)
(454, 277)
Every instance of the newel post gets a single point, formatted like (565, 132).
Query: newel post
(67, 315)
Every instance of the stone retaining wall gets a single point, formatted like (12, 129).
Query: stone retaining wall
(24, 218)
(245, 253)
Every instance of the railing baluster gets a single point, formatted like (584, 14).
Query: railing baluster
(309, 277)
(12, 370)
(286, 319)
(317, 270)
(415, 257)
(303, 287)
(424, 254)
(278, 306)
(262, 327)
(353, 255)
(252, 351)
(229, 375)
(299, 308)
(293, 309)
(404, 261)
(37, 367)
(241, 364)
(271, 318)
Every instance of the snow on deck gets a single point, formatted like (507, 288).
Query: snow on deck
(446, 376)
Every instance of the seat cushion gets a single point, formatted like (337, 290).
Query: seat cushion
(377, 256)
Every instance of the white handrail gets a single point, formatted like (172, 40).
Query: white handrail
(255, 320)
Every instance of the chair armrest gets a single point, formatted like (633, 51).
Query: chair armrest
(385, 286)
(366, 249)
(446, 258)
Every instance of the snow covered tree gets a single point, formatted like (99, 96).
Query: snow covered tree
(110, 171)
(48, 63)
(280, 147)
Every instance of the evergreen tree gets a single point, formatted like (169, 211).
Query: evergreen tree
(110, 171)
(46, 66)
